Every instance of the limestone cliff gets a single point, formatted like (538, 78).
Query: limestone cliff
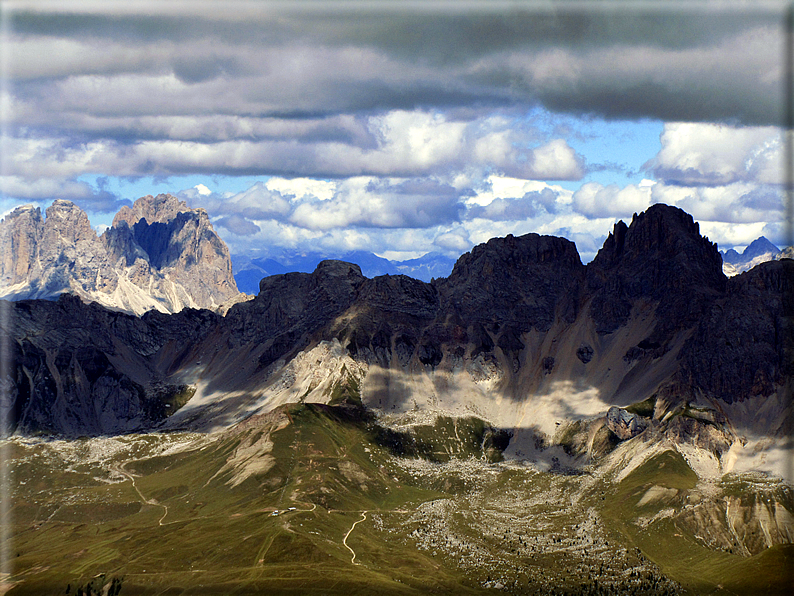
(158, 254)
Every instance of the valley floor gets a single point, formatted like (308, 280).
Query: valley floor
(309, 500)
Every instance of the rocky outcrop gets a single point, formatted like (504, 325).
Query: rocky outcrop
(293, 308)
(160, 209)
(624, 424)
(159, 254)
(520, 282)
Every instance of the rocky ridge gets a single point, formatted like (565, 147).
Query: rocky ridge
(159, 254)
(521, 334)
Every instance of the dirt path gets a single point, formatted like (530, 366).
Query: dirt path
(120, 469)
(344, 541)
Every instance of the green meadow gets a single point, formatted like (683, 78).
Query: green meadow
(322, 500)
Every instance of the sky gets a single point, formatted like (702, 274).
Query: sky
(400, 128)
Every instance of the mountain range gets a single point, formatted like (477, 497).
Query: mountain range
(651, 315)
(646, 374)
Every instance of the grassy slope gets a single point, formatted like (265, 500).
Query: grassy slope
(676, 550)
(220, 539)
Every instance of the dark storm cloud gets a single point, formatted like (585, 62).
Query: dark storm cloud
(326, 90)
(622, 63)
(450, 35)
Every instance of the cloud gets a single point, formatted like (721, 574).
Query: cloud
(377, 214)
(302, 187)
(407, 144)
(256, 203)
(352, 202)
(44, 189)
(740, 202)
(555, 161)
(456, 241)
(698, 63)
(530, 205)
(735, 78)
(237, 224)
(372, 202)
(371, 125)
(717, 155)
(594, 200)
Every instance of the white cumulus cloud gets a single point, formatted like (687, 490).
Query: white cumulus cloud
(594, 200)
(717, 155)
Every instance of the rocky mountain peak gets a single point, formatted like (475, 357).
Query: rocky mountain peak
(158, 254)
(661, 231)
(19, 231)
(335, 282)
(339, 269)
(160, 209)
(516, 254)
(660, 256)
(758, 247)
(526, 280)
(25, 210)
(69, 222)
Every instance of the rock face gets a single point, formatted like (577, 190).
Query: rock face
(159, 254)
(661, 258)
(624, 424)
(40, 257)
(742, 345)
(80, 369)
(521, 333)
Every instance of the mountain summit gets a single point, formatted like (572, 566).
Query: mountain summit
(159, 254)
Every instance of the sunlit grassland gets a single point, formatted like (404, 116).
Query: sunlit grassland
(70, 527)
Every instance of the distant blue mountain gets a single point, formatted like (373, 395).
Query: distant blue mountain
(249, 271)
(759, 246)
(432, 265)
